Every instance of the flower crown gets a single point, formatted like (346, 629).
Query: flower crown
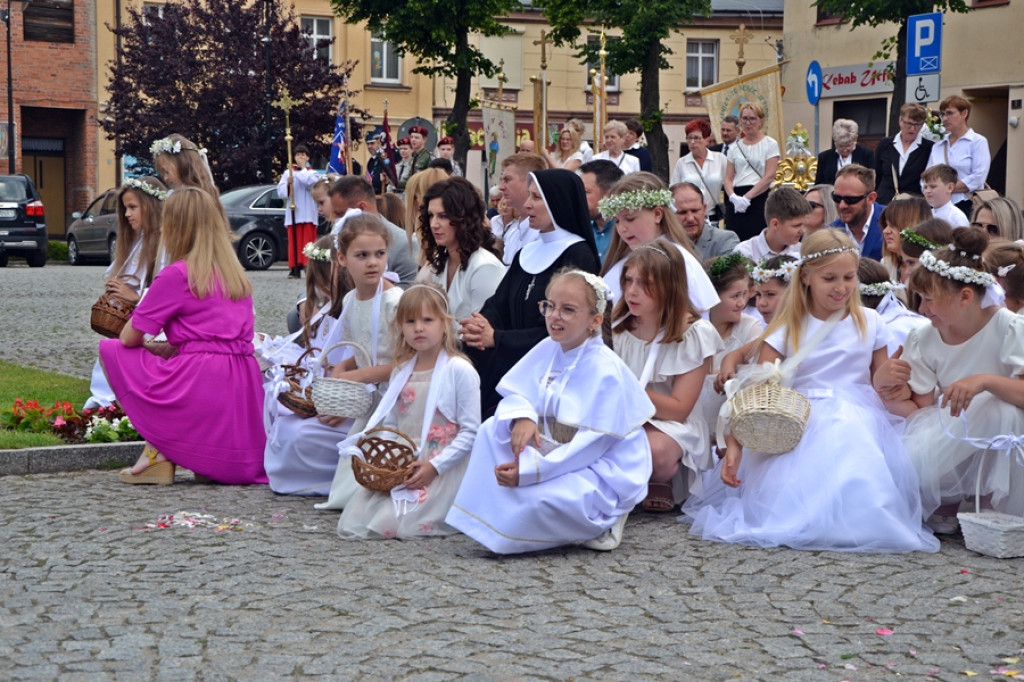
(828, 252)
(633, 201)
(908, 235)
(168, 146)
(723, 264)
(878, 288)
(311, 252)
(960, 273)
(762, 274)
(149, 189)
(603, 293)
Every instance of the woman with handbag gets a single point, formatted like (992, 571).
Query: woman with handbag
(139, 210)
(702, 167)
(849, 484)
(753, 161)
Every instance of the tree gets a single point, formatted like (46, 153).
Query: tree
(437, 33)
(198, 68)
(645, 27)
(878, 12)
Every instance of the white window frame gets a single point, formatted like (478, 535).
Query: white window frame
(390, 61)
(152, 9)
(695, 53)
(613, 78)
(312, 26)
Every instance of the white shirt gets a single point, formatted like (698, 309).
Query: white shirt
(971, 158)
(627, 163)
(698, 284)
(757, 249)
(951, 214)
(708, 178)
(471, 287)
(305, 207)
(751, 160)
(516, 237)
(867, 227)
(897, 142)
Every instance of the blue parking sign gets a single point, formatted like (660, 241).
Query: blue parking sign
(924, 44)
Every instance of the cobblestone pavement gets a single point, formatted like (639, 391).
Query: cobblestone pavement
(91, 588)
(88, 592)
(44, 313)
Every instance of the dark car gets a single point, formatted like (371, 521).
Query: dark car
(22, 221)
(93, 235)
(256, 215)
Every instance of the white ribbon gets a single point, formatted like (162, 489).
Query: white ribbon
(275, 386)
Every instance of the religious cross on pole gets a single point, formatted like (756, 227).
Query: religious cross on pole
(741, 38)
(287, 104)
(542, 121)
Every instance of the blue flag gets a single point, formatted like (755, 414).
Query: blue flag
(338, 163)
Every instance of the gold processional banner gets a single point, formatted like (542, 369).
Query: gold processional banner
(499, 139)
(764, 87)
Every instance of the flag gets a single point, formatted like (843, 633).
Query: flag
(338, 163)
(388, 154)
(763, 87)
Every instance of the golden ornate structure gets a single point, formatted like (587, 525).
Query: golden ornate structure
(799, 165)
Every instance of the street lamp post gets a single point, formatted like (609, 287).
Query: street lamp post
(267, 5)
(10, 93)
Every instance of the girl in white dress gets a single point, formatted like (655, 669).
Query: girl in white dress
(669, 348)
(972, 356)
(305, 458)
(565, 458)
(878, 292)
(736, 329)
(139, 210)
(434, 398)
(849, 484)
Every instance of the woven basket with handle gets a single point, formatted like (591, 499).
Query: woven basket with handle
(341, 397)
(110, 312)
(297, 399)
(769, 418)
(386, 462)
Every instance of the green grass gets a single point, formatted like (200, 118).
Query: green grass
(36, 384)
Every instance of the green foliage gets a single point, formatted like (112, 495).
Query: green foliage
(642, 24)
(46, 387)
(877, 12)
(57, 250)
(434, 31)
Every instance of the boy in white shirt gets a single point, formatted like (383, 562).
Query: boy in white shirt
(785, 212)
(937, 184)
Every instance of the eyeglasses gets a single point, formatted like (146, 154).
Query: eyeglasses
(566, 312)
(749, 119)
(948, 113)
(988, 227)
(911, 124)
(815, 204)
(694, 138)
(850, 200)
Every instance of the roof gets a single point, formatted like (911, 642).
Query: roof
(748, 6)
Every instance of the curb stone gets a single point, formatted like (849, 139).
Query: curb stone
(60, 458)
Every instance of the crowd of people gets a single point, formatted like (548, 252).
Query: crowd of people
(569, 356)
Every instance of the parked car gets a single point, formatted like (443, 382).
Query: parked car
(256, 215)
(22, 221)
(93, 234)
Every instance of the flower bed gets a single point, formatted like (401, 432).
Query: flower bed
(101, 425)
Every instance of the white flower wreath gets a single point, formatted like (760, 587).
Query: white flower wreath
(634, 201)
(311, 252)
(135, 183)
(959, 273)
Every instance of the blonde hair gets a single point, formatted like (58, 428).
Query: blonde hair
(575, 139)
(149, 231)
(795, 306)
(670, 227)
(662, 271)
(192, 169)
(415, 188)
(414, 300)
(617, 127)
(194, 230)
(589, 292)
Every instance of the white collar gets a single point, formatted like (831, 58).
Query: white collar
(539, 254)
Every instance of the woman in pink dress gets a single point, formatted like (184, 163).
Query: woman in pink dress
(196, 398)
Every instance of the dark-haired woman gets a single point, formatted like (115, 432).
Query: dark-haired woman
(458, 246)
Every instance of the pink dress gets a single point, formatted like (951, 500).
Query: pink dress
(202, 408)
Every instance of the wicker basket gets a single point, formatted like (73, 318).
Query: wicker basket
(109, 315)
(769, 418)
(988, 532)
(295, 398)
(386, 462)
(341, 397)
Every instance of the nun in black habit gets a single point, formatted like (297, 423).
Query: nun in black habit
(510, 323)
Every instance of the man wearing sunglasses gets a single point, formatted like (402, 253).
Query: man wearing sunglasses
(855, 196)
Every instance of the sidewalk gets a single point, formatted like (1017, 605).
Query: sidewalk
(93, 589)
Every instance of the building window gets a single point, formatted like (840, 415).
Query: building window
(701, 63)
(613, 78)
(50, 21)
(152, 10)
(826, 18)
(385, 64)
(318, 32)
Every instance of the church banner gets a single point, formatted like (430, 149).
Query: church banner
(499, 139)
(764, 87)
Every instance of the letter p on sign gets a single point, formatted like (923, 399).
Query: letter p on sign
(924, 55)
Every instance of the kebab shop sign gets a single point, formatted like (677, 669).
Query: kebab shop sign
(855, 79)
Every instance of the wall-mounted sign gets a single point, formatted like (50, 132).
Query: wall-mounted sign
(855, 79)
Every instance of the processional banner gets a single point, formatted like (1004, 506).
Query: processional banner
(764, 87)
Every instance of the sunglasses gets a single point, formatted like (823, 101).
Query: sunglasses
(988, 227)
(815, 204)
(850, 200)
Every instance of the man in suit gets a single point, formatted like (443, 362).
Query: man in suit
(729, 133)
(845, 152)
(900, 160)
(855, 196)
(688, 205)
